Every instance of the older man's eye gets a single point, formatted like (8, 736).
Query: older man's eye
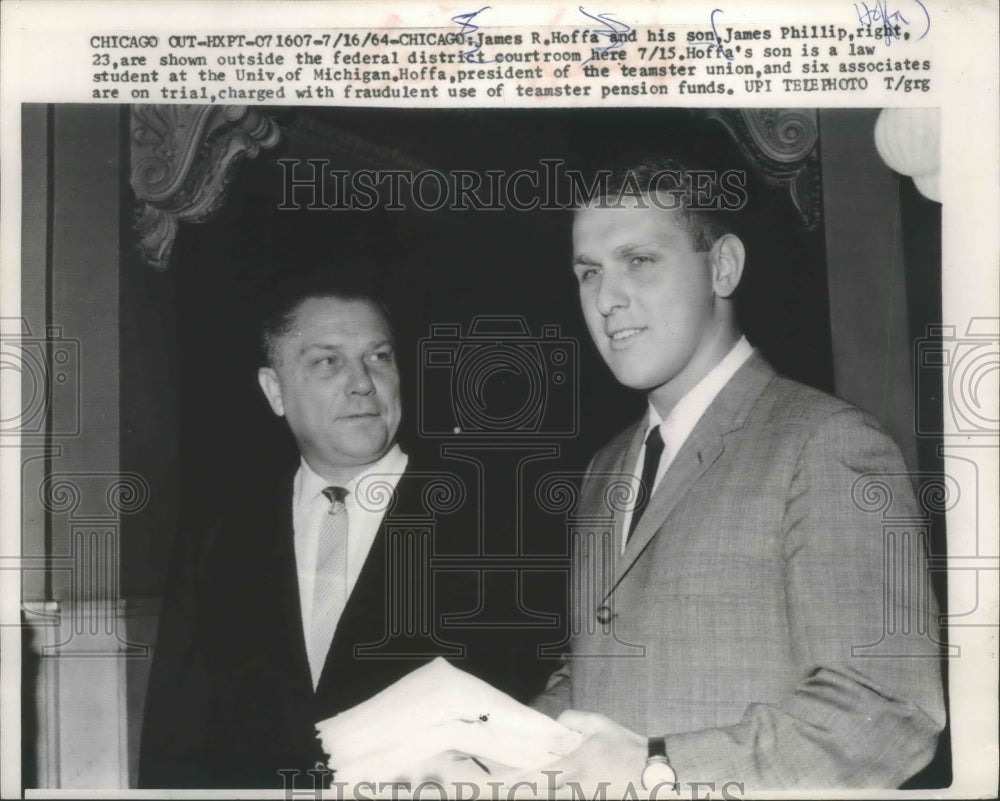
(638, 261)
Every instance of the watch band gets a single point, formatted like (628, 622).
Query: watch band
(658, 770)
(657, 747)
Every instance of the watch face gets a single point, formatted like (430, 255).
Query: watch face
(657, 773)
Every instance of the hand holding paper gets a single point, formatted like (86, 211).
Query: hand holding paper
(435, 709)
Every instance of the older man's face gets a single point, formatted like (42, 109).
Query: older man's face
(337, 383)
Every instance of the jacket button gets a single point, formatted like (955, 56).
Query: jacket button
(604, 615)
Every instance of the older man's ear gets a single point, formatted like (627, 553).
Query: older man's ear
(270, 384)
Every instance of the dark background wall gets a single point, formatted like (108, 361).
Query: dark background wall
(447, 267)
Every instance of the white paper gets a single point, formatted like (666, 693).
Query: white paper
(435, 709)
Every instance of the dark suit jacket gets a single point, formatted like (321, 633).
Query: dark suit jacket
(772, 614)
(231, 702)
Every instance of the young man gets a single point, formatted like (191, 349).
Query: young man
(730, 635)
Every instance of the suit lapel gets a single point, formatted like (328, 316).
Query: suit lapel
(702, 448)
(624, 467)
(697, 454)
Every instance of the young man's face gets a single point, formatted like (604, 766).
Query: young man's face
(337, 384)
(648, 297)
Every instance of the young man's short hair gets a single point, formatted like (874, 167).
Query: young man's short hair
(705, 200)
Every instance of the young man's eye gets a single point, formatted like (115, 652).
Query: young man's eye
(639, 260)
(587, 274)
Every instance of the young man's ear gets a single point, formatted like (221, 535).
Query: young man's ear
(269, 383)
(727, 257)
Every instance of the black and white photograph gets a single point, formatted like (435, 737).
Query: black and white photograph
(495, 450)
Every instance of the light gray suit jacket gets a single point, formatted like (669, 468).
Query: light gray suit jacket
(772, 614)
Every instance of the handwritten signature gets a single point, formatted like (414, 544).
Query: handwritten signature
(468, 28)
(718, 39)
(878, 14)
(614, 31)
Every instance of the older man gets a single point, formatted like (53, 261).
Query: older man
(305, 598)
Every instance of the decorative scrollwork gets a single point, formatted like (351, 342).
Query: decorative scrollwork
(443, 493)
(94, 496)
(374, 493)
(785, 136)
(891, 495)
(782, 144)
(557, 493)
(183, 157)
(871, 493)
(129, 494)
(59, 494)
(938, 494)
(621, 494)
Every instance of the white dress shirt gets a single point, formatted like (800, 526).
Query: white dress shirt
(364, 516)
(682, 419)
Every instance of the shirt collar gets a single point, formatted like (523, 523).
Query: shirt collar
(312, 484)
(686, 413)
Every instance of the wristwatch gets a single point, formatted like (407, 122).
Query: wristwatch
(657, 770)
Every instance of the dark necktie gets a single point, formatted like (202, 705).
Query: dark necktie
(654, 450)
(330, 583)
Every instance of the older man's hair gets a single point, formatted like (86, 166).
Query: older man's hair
(288, 294)
(697, 196)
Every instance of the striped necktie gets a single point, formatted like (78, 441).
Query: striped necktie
(330, 585)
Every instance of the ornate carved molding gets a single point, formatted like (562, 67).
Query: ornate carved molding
(183, 157)
(782, 144)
